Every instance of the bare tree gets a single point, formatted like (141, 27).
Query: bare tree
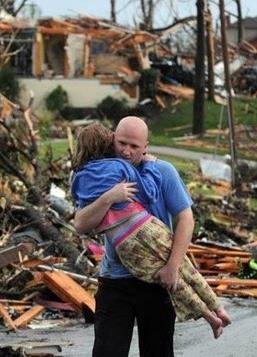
(240, 24)
(113, 10)
(12, 7)
(210, 55)
(147, 8)
(198, 115)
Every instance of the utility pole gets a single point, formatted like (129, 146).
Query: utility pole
(228, 94)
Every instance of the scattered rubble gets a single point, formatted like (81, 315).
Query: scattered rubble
(48, 275)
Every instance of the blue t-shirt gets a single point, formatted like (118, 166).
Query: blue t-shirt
(98, 176)
(173, 198)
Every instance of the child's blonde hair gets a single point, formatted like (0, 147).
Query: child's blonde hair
(93, 142)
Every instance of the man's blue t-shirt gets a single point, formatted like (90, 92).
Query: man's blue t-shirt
(173, 198)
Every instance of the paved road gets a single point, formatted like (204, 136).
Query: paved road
(184, 154)
(192, 339)
(192, 155)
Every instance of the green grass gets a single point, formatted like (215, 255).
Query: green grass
(59, 148)
(245, 112)
(177, 122)
(188, 169)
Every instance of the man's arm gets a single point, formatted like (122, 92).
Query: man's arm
(168, 275)
(88, 218)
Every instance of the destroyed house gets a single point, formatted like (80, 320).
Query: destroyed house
(249, 26)
(63, 52)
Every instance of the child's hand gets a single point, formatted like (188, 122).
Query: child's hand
(124, 191)
(149, 157)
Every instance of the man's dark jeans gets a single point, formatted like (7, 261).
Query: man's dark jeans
(118, 303)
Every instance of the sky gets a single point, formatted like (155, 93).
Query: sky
(127, 14)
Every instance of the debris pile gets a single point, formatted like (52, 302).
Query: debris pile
(45, 271)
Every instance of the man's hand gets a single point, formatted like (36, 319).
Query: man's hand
(124, 191)
(149, 157)
(167, 278)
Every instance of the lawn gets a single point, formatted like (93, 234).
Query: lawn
(177, 122)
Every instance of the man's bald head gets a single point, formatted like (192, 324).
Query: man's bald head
(131, 139)
(132, 123)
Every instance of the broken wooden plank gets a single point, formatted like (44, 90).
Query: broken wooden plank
(237, 292)
(183, 92)
(143, 61)
(233, 282)
(7, 318)
(56, 305)
(31, 263)
(29, 315)
(68, 290)
(160, 102)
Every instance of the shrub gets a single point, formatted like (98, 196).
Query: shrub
(57, 100)
(112, 108)
(45, 123)
(9, 85)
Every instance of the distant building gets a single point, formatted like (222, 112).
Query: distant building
(249, 25)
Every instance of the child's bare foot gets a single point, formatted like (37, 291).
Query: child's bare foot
(224, 316)
(215, 323)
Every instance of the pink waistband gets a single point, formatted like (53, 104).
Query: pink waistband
(113, 216)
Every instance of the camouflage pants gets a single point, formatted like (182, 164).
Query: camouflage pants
(147, 250)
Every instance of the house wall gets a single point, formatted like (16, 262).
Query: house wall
(81, 92)
(248, 34)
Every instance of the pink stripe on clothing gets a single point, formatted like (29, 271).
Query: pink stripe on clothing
(114, 217)
(132, 229)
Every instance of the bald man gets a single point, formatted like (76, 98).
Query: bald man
(121, 299)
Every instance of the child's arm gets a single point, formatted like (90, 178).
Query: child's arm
(148, 180)
(88, 218)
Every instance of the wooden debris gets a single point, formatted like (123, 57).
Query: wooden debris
(29, 315)
(183, 92)
(12, 254)
(160, 102)
(68, 290)
(7, 319)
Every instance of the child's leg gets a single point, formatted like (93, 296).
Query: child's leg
(188, 305)
(203, 289)
(146, 252)
(215, 323)
(198, 283)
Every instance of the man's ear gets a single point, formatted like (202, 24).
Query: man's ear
(146, 148)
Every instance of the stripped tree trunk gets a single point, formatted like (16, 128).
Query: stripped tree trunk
(198, 115)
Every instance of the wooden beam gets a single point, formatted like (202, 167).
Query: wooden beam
(88, 72)
(233, 282)
(37, 55)
(68, 290)
(143, 61)
(29, 315)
